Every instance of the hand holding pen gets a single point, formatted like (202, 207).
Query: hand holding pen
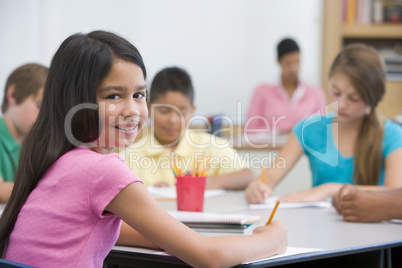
(258, 190)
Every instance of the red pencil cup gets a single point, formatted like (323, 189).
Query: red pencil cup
(190, 193)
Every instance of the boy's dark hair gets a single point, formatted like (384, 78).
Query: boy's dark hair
(171, 79)
(28, 79)
(287, 45)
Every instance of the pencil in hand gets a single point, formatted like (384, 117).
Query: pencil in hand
(273, 213)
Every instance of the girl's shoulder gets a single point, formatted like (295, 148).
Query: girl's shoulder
(83, 157)
(392, 127)
(99, 165)
(392, 138)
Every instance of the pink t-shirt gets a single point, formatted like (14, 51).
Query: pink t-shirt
(272, 109)
(62, 222)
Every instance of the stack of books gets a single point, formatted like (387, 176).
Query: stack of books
(366, 12)
(394, 67)
(215, 223)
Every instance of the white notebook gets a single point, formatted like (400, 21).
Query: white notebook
(270, 204)
(215, 223)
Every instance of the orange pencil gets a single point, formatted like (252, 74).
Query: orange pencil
(273, 213)
(204, 171)
(200, 165)
(263, 179)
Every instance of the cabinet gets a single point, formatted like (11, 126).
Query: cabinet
(336, 35)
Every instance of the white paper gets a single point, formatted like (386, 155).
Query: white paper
(289, 251)
(271, 201)
(170, 192)
(141, 250)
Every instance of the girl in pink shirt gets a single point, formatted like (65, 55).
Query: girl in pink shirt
(71, 191)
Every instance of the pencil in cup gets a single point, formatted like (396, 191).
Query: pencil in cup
(273, 213)
(200, 168)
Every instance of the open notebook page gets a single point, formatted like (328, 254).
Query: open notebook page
(270, 204)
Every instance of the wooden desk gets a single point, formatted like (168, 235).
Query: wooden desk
(344, 244)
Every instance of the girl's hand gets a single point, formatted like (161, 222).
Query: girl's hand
(276, 233)
(318, 193)
(256, 192)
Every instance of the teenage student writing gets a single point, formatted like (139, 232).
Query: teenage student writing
(21, 102)
(356, 205)
(354, 147)
(71, 191)
(171, 108)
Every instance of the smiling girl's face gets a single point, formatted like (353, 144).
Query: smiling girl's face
(121, 99)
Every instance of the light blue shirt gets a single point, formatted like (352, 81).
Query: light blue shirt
(326, 162)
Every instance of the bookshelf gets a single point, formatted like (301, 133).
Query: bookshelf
(336, 34)
(388, 31)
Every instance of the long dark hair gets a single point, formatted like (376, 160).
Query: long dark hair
(366, 71)
(77, 68)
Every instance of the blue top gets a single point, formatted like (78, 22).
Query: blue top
(326, 162)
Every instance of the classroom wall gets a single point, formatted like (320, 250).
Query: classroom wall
(228, 46)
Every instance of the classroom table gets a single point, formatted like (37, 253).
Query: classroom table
(343, 244)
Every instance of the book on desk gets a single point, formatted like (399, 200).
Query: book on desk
(215, 223)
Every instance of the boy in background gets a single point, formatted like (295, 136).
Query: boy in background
(171, 106)
(21, 102)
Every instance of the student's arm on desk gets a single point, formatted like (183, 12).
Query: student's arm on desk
(257, 191)
(5, 190)
(317, 193)
(231, 181)
(393, 179)
(137, 207)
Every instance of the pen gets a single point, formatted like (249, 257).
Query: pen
(263, 174)
(273, 213)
